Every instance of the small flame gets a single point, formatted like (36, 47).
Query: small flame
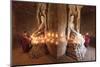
(52, 34)
(56, 35)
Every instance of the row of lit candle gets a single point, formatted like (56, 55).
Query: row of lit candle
(51, 34)
(36, 40)
(48, 38)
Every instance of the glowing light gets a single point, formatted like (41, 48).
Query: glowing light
(33, 35)
(56, 42)
(52, 41)
(45, 37)
(52, 34)
(35, 42)
(56, 35)
(49, 34)
(35, 38)
(48, 37)
(47, 40)
(62, 35)
(43, 41)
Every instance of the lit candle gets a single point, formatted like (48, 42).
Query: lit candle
(56, 35)
(52, 34)
(35, 42)
(49, 34)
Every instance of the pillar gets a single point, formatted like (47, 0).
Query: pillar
(56, 22)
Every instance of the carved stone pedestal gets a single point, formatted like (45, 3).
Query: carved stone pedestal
(76, 51)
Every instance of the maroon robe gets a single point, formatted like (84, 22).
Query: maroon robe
(25, 44)
(87, 40)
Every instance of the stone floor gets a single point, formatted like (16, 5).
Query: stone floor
(90, 54)
(20, 58)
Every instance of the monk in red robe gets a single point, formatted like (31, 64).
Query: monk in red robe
(87, 39)
(25, 42)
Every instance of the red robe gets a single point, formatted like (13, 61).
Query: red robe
(25, 42)
(87, 40)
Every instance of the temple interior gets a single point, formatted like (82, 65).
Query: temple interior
(57, 33)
